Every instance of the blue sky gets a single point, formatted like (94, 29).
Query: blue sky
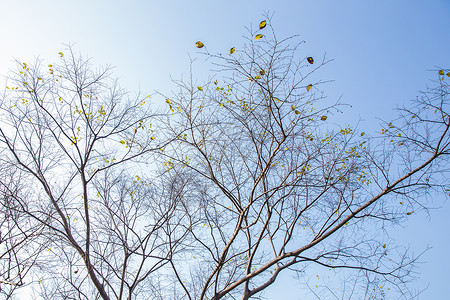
(383, 52)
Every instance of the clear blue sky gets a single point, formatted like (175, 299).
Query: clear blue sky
(382, 50)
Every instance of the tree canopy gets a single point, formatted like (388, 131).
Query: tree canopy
(216, 191)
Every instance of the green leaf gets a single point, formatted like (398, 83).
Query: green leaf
(262, 24)
(232, 50)
(199, 44)
(258, 36)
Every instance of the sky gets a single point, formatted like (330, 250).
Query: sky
(383, 53)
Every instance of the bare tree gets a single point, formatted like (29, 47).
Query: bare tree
(78, 217)
(242, 177)
(277, 188)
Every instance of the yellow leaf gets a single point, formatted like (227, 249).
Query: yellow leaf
(199, 44)
(308, 88)
(310, 60)
(409, 213)
(384, 246)
(323, 118)
(258, 36)
(363, 133)
(50, 66)
(262, 72)
(232, 50)
(60, 54)
(257, 77)
(200, 88)
(441, 72)
(122, 142)
(448, 74)
(292, 107)
(262, 24)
